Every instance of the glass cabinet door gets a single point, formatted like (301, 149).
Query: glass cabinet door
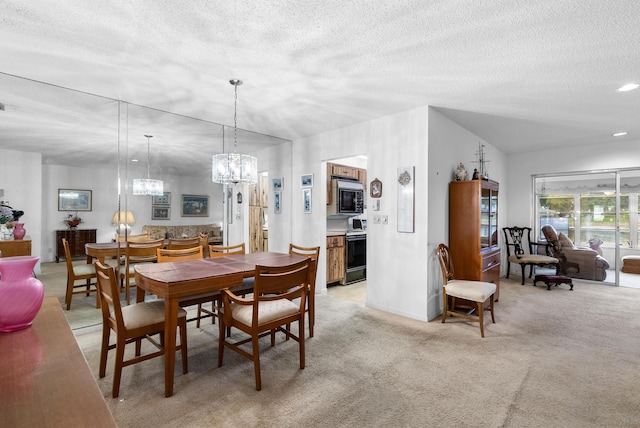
(488, 218)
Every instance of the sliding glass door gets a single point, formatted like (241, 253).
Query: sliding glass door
(596, 211)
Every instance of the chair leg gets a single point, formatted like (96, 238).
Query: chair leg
(523, 267)
(221, 337)
(481, 317)
(198, 315)
(301, 341)
(508, 269)
(256, 362)
(493, 319)
(67, 298)
(117, 374)
(312, 313)
(445, 309)
(183, 346)
(104, 349)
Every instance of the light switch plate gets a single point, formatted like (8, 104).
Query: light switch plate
(376, 219)
(385, 219)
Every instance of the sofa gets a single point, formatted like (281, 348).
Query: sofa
(576, 262)
(184, 231)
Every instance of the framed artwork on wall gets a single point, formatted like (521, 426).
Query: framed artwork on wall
(160, 212)
(375, 188)
(306, 198)
(306, 180)
(74, 200)
(277, 202)
(195, 206)
(165, 199)
(277, 184)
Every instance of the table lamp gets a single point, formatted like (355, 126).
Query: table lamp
(123, 220)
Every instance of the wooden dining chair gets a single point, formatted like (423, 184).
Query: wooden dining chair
(472, 293)
(139, 252)
(181, 243)
(313, 253)
(131, 324)
(193, 253)
(81, 272)
(121, 237)
(222, 250)
(269, 309)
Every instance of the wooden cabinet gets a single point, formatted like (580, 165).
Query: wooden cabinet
(15, 248)
(258, 205)
(335, 259)
(341, 171)
(76, 238)
(473, 231)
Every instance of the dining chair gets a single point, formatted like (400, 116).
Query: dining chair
(222, 250)
(472, 293)
(520, 250)
(193, 253)
(135, 253)
(269, 309)
(121, 237)
(80, 272)
(131, 324)
(313, 253)
(180, 243)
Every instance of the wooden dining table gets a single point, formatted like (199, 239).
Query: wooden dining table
(173, 280)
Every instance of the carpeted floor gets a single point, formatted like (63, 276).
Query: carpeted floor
(554, 358)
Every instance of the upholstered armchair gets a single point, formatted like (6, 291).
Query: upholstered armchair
(576, 262)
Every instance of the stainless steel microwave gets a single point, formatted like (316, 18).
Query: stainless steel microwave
(347, 198)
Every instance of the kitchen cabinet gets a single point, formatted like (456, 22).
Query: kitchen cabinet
(473, 231)
(76, 238)
(342, 171)
(335, 259)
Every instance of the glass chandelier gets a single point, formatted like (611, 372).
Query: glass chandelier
(147, 186)
(234, 168)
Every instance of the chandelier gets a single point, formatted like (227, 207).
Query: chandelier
(234, 168)
(147, 186)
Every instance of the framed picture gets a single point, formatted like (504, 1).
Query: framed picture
(375, 188)
(277, 184)
(195, 206)
(160, 212)
(74, 200)
(306, 198)
(306, 180)
(165, 199)
(277, 202)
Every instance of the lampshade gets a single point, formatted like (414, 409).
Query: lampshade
(148, 186)
(123, 220)
(234, 168)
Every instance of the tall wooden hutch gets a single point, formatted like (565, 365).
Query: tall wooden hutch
(473, 231)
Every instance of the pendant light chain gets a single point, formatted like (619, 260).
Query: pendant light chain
(235, 117)
(148, 156)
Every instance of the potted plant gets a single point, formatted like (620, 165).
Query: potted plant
(72, 220)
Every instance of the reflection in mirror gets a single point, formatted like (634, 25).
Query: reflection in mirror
(87, 141)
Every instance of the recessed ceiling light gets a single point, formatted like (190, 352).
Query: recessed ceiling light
(619, 134)
(628, 87)
(134, 160)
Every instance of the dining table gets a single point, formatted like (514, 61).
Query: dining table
(174, 280)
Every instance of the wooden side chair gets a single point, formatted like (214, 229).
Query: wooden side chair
(313, 253)
(222, 250)
(139, 252)
(121, 237)
(131, 323)
(193, 253)
(520, 251)
(81, 272)
(473, 294)
(181, 243)
(269, 309)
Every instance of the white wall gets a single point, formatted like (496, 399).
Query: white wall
(450, 144)
(21, 179)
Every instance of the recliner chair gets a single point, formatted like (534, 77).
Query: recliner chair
(576, 262)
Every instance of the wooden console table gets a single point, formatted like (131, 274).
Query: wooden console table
(76, 238)
(15, 248)
(45, 378)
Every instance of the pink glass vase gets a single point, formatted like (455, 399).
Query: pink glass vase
(18, 231)
(21, 294)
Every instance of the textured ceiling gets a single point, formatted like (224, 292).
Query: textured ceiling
(523, 75)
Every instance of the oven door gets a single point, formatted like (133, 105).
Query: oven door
(356, 258)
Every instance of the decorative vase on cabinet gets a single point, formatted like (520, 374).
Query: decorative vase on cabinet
(21, 294)
(18, 231)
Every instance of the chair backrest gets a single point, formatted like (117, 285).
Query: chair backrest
(67, 255)
(181, 243)
(221, 250)
(446, 266)
(552, 238)
(121, 237)
(518, 240)
(283, 282)
(313, 253)
(166, 255)
(143, 251)
(109, 292)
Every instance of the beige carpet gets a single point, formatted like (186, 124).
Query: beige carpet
(554, 358)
